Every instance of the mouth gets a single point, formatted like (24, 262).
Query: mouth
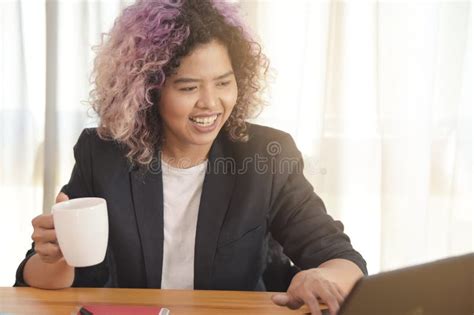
(205, 121)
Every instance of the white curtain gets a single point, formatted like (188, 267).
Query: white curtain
(376, 94)
(45, 64)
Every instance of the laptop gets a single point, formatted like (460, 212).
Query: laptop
(443, 287)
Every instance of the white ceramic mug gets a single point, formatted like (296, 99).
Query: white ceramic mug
(82, 230)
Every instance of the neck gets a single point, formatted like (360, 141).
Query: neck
(184, 157)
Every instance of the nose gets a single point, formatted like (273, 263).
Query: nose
(207, 98)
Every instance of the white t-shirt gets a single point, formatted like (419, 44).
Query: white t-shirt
(182, 189)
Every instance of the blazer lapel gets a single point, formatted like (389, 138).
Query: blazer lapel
(215, 199)
(147, 190)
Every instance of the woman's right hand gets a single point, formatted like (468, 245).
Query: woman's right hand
(44, 235)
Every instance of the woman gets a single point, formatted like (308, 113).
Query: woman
(193, 191)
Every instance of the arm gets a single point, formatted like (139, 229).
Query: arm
(311, 238)
(298, 218)
(44, 266)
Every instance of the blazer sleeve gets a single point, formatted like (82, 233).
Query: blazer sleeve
(298, 217)
(81, 181)
(80, 185)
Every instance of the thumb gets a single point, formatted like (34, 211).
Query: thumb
(281, 299)
(61, 197)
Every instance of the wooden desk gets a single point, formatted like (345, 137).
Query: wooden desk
(38, 302)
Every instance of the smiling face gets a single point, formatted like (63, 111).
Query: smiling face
(197, 100)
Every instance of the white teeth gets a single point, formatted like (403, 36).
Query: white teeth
(205, 121)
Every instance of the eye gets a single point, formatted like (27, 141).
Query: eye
(223, 83)
(188, 88)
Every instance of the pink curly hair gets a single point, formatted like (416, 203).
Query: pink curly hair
(145, 46)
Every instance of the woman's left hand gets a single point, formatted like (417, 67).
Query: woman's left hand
(311, 287)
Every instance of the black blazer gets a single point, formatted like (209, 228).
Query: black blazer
(251, 190)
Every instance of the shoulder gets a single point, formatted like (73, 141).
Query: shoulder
(87, 136)
(91, 138)
(270, 137)
(267, 141)
(264, 133)
(90, 143)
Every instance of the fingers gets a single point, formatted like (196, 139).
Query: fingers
(280, 299)
(48, 252)
(300, 292)
(286, 299)
(338, 293)
(294, 302)
(309, 298)
(309, 292)
(44, 221)
(61, 197)
(326, 293)
(306, 288)
(44, 236)
(341, 291)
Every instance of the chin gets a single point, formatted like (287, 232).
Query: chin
(204, 140)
